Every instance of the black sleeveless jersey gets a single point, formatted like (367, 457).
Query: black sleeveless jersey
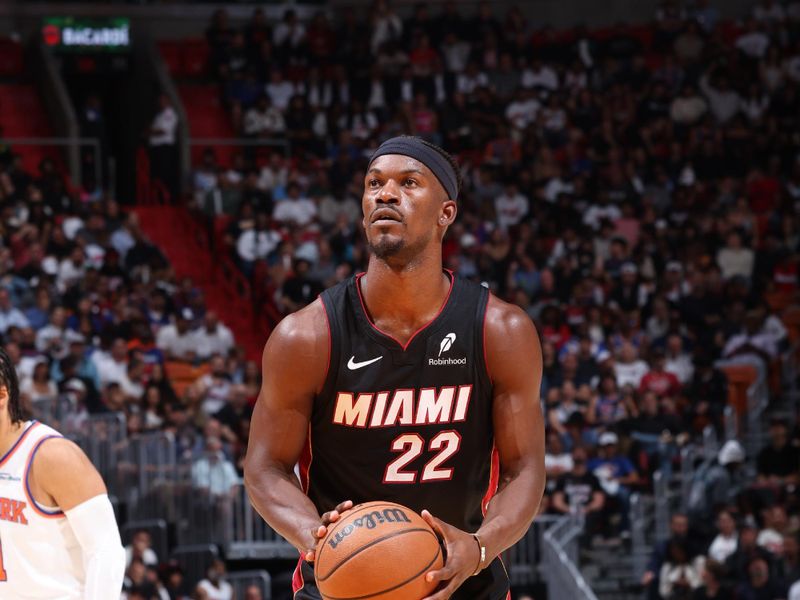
(408, 423)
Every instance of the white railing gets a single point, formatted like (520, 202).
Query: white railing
(559, 561)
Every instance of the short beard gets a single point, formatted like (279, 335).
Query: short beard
(386, 249)
(398, 252)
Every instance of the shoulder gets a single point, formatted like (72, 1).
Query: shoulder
(508, 327)
(511, 345)
(305, 328)
(57, 453)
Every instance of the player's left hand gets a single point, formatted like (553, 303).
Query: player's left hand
(463, 556)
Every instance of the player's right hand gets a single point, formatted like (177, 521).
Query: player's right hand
(320, 532)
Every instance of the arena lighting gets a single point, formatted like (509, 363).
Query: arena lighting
(87, 35)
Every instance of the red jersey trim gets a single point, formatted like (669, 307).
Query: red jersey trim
(418, 331)
(298, 583)
(304, 464)
(483, 334)
(494, 480)
(330, 343)
(15, 446)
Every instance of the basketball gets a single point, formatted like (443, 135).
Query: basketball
(377, 550)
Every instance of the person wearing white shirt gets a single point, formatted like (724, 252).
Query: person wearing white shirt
(279, 90)
(471, 79)
(163, 147)
(539, 75)
(257, 242)
(734, 259)
(523, 111)
(753, 43)
(214, 586)
(213, 473)
(71, 269)
(112, 367)
(455, 53)
(176, 340)
(295, 208)
(290, 31)
(794, 591)
(727, 540)
(679, 363)
(213, 337)
(510, 207)
(50, 338)
(629, 368)
(263, 119)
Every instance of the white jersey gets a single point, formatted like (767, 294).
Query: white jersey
(40, 557)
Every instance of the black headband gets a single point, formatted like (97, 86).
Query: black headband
(414, 147)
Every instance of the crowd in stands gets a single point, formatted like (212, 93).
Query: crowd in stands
(636, 191)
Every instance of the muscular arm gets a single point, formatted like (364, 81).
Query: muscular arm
(62, 476)
(294, 367)
(515, 365)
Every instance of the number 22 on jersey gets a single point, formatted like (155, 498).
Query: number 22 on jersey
(411, 446)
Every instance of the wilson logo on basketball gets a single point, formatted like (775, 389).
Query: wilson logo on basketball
(370, 521)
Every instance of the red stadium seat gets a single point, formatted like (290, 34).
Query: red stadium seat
(172, 53)
(740, 378)
(11, 58)
(195, 57)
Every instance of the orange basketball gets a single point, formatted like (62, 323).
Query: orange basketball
(377, 550)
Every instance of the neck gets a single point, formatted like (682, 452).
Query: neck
(9, 432)
(410, 293)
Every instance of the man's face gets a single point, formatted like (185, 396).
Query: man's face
(405, 208)
(777, 434)
(679, 526)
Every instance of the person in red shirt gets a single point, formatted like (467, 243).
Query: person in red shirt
(658, 380)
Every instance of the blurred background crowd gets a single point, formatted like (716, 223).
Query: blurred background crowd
(635, 190)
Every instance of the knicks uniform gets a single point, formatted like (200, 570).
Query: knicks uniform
(409, 423)
(40, 558)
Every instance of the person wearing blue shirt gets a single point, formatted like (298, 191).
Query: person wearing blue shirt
(616, 474)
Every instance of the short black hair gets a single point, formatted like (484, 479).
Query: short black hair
(449, 158)
(9, 380)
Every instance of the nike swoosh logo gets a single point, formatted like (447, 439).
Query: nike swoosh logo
(353, 365)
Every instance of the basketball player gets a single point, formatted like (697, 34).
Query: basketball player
(58, 535)
(404, 384)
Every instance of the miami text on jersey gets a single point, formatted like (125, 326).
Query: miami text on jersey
(406, 407)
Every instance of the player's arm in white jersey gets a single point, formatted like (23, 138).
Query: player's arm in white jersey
(61, 475)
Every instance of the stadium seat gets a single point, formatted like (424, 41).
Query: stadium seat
(11, 58)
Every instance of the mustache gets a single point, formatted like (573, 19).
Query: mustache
(384, 209)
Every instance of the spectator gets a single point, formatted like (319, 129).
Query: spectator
(511, 207)
(689, 107)
(163, 145)
(629, 368)
(760, 584)
(214, 585)
(263, 119)
(296, 209)
(727, 538)
(616, 474)
(177, 340)
(212, 337)
(141, 549)
(735, 259)
(713, 587)
(579, 492)
(778, 463)
(213, 474)
(679, 575)
(10, 316)
(719, 484)
(214, 387)
(658, 380)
